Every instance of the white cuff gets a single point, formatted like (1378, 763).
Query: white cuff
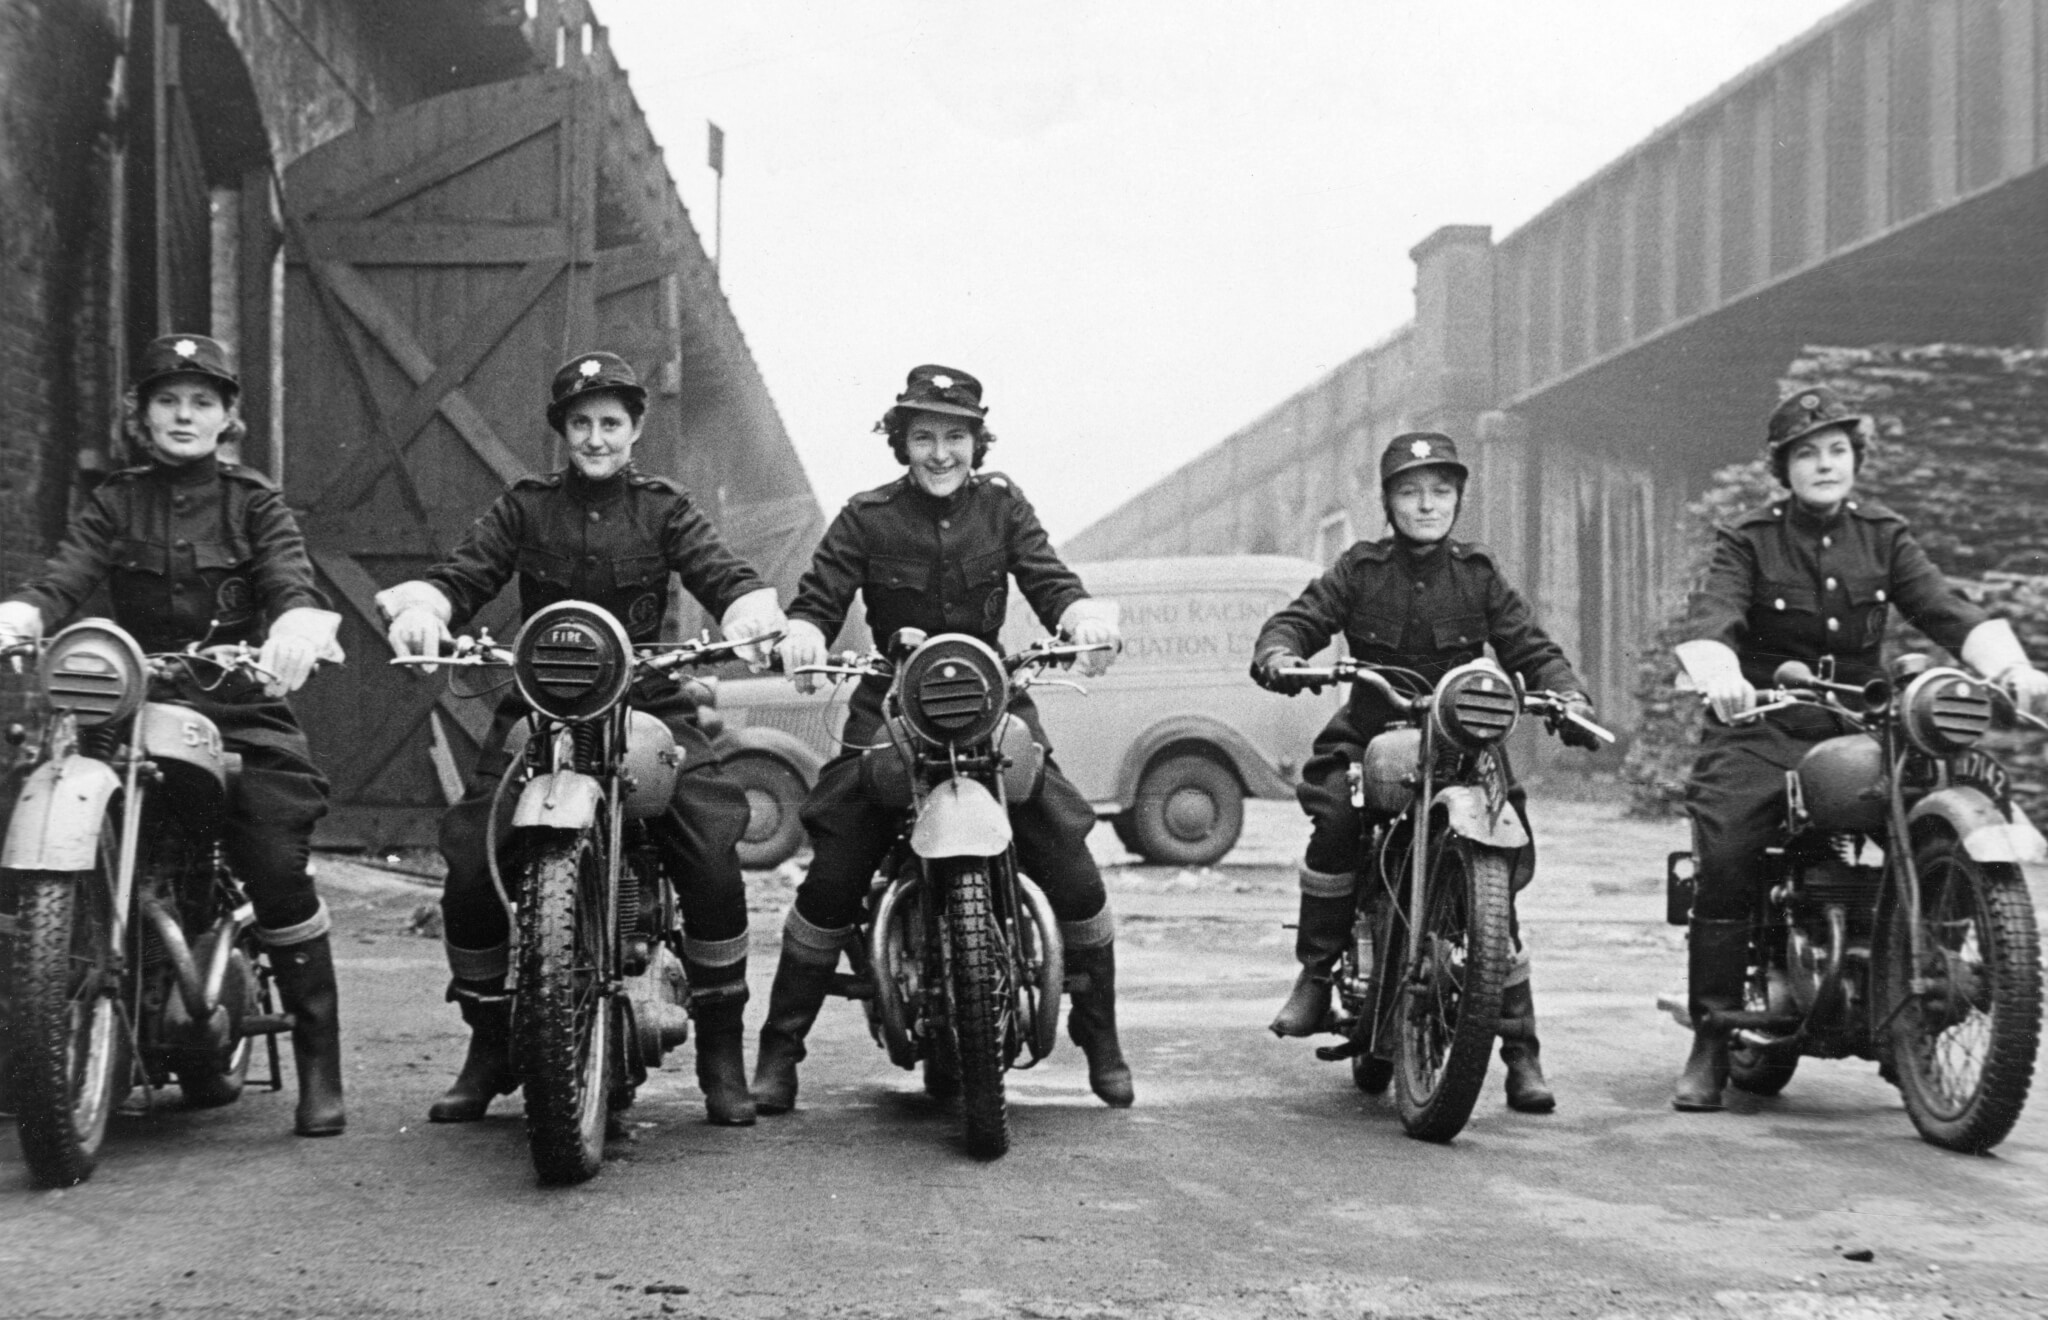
(317, 626)
(757, 608)
(1705, 661)
(1091, 609)
(415, 595)
(1992, 648)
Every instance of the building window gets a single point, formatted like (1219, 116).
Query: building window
(1333, 536)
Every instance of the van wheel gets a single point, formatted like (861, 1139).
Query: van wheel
(775, 793)
(1189, 811)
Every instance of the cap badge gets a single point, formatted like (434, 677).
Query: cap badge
(1420, 449)
(185, 348)
(589, 367)
(943, 381)
(1810, 401)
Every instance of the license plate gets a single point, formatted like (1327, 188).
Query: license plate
(1981, 771)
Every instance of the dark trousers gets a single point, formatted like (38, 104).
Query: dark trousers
(1736, 798)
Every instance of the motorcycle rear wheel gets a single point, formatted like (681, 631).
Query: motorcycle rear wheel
(562, 1023)
(1446, 1026)
(980, 993)
(71, 1055)
(1963, 1054)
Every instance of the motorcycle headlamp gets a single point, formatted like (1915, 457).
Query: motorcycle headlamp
(952, 690)
(573, 661)
(1945, 711)
(1475, 705)
(94, 670)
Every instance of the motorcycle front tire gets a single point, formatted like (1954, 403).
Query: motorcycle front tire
(562, 1023)
(1446, 1027)
(71, 1056)
(979, 992)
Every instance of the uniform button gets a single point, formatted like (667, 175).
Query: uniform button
(1418, 586)
(593, 515)
(1880, 597)
(1826, 541)
(183, 543)
(590, 560)
(1834, 625)
(1831, 584)
(1779, 602)
(945, 522)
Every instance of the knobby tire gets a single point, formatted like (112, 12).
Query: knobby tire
(980, 991)
(1963, 1055)
(563, 1018)
(71, 1047)
(1447, 1025)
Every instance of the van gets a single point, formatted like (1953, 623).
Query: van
(1167, 745)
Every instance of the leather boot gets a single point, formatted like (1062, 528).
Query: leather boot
(793, 1002)
(487, 1069)
(304, 974)
(1319, 937)
(1717, 963)
(1091, 1022)
(718, 1009)
(1528, 1092)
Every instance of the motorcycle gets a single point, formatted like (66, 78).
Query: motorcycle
(1419, 985)
(598, 990)
(959, 963)
(136, 960)
(1893, 922)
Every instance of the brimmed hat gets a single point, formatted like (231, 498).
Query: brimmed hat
(936, 389)
(1813, 409)
(589, 373)
(187, 355)
(1420, 449)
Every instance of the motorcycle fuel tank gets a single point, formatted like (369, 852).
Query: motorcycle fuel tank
(1389, 770)
(652, 758)
(1842, 782)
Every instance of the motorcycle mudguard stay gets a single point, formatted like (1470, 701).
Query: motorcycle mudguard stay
(1465, 813)
(1987, 834)
(57, 819)
(960, 818)
(564, 800)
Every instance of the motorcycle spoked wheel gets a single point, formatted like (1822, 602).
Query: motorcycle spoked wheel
(982, 1001)
(71, 1047)
(211, 1080)
(562, 1023)
(1963, 1054)
(1446, 1025)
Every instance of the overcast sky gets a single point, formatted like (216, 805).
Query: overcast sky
(1141, 224)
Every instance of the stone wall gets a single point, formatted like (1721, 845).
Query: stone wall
(1962, 454)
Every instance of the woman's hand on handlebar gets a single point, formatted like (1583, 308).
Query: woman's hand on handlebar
(1728, 695)
(418, 632)
(801, 646)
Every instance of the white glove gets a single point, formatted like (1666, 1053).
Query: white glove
(802, 644)
(1995, 652)
(19, 622)
(1091, 622)
(1717, 674)
(419, 616)
(300, 639)
(750, 616)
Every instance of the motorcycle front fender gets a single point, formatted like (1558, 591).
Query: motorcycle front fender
(960, 818)
(565, 800)
(1986, 833)
(1464, 811)
(57, 819)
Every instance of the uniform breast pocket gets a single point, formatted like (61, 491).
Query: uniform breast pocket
(913, 575)
(1459, 632)
(987, 580)
(229, 572)
(543, 565)
(630, 571)
(141, 557)
(1376, 627)
(1870, 611)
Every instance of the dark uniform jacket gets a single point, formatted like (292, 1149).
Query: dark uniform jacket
(196, 552)
(612, 543)
(1429, 613)
(942, 565)
(1786, 584)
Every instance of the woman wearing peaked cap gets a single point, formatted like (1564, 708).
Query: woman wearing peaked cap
(1810, 577)
(599, 530)
(198, 550)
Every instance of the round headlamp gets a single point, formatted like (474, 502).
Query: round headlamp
(952, 689)
(572, 661)
(1475, 705)
(1945, 711)
(94, 670)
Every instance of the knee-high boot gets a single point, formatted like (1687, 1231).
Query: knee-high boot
(304, 973)
(1091, 1022)
(1319, 938)
(1717, 962)
(1528, 1092)
(799, 991)
(718, 1001)
(487, 1068)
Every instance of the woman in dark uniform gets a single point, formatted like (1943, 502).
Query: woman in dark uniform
(1421, 601)
(936, 550)
(1811, 578)
(195, 549)
(603, 531)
